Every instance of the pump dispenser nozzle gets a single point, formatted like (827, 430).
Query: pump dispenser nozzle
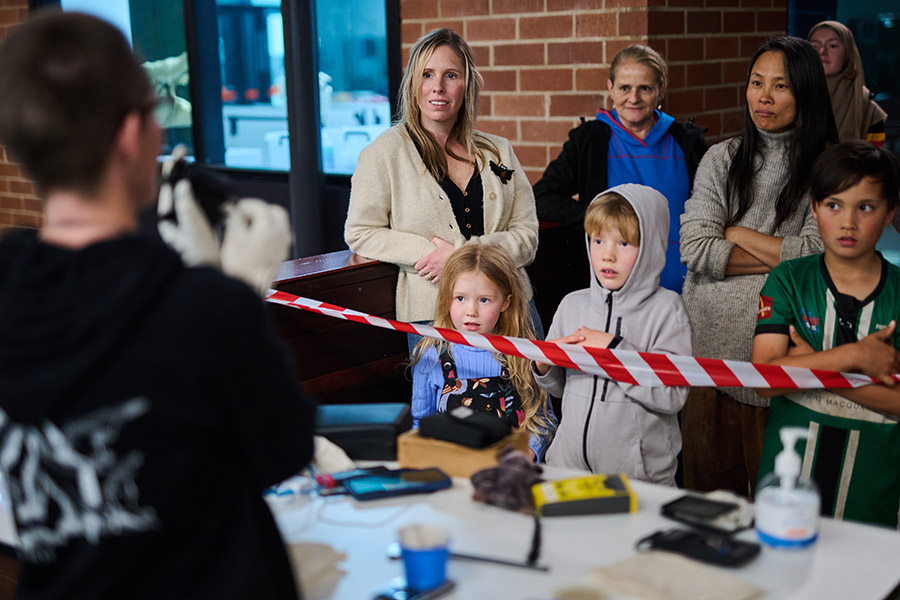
(787, 463)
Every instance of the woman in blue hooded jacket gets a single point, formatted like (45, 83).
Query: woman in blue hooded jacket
(633, 143)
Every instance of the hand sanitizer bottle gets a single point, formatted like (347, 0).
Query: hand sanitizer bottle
(787, 506)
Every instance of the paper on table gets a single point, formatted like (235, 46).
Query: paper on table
(580, 592)
(316, 569)
(655, 575)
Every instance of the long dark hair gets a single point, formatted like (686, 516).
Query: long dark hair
(814, 129)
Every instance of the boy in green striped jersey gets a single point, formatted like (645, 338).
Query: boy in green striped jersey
(838, 311)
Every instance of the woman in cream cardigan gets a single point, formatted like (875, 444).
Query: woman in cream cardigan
(431, 182)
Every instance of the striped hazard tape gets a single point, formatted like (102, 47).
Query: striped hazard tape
(638, 368)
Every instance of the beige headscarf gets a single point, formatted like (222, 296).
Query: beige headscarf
(853, 111)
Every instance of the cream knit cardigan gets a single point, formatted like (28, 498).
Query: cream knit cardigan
(396, 207)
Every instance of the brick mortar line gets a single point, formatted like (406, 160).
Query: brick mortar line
(515, 15)
(517, 42)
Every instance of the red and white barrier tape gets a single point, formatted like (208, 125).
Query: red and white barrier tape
(627, 366)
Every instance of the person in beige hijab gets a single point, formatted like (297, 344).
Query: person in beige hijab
(856, 115)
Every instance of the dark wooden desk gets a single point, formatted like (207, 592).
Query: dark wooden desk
(9, 572)
(340, 361)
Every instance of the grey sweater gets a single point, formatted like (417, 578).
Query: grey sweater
(723, 309)
(612, 426)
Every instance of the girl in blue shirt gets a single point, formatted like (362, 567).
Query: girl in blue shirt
(481, 291)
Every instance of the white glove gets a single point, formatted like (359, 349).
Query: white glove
(192, 237)
(164, 203)
(257, 240)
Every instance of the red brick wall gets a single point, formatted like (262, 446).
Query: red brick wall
(706, 44)
(18, 204)
(546, 62)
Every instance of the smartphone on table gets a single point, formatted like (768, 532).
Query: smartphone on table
(398, 482)
(333, 484)
(397, 590)
(706, 513)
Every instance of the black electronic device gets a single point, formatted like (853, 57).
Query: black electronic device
(364, 431)
(398, 482)
(397, 590)
(211, 189)
(714, 548)
(718, 516)
(464, 426)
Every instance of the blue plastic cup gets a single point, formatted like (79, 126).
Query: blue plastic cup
(425, 568)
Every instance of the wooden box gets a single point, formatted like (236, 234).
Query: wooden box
(417, 452)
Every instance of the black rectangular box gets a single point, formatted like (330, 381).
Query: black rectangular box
(364, 431)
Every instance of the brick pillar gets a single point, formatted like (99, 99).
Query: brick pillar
(19, 206)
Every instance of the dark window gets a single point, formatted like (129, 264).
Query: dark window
(237, 78)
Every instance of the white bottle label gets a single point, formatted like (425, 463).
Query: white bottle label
(787, 521)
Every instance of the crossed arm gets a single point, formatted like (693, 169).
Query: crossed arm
(871, 355)
(753, 253)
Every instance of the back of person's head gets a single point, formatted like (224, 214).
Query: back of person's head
(613, 210)
(844, 165)
(496, 265)
(68, 81)
(642, 55)
(813, 128)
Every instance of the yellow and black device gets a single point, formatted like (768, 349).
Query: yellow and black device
(588, 495)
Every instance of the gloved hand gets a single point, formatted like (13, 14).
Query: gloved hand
(257, 240)
(192, 236)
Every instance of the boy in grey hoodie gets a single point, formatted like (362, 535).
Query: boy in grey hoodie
(609, 426)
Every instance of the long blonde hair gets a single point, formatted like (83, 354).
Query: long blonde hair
(463, 132)
(495, 264)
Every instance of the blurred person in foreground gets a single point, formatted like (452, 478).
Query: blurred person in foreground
(144, 405)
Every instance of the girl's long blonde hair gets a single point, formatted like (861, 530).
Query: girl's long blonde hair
(495, 264)
(463, 133)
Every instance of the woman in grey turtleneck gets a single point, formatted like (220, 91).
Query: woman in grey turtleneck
(748, 212)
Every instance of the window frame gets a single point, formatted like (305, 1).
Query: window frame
(317, 202)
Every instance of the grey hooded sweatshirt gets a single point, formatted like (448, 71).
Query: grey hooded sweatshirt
(613, 427)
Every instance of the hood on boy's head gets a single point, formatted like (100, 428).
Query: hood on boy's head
(652, 210)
